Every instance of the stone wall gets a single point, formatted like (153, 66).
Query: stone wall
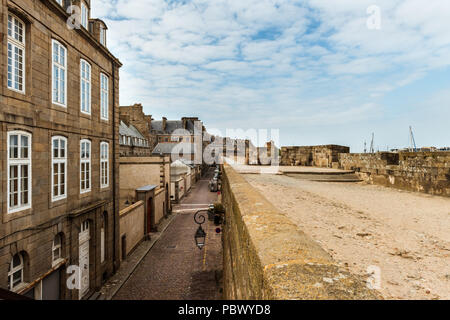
(136, 116)
(136, 172)
(427, 172)
(159, 204)
(31, 231)
(319, 156)
(267, 257)
(132, 226)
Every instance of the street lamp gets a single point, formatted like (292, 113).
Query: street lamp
(200, 234)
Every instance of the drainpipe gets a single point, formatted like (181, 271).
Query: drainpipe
(114, 165)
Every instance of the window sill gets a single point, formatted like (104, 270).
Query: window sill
(20, 209)
(17, 91)
(9, 216)
(85, 115)
(85, 194)
(58, 262)
(15, 94)
(57, 202)
(59, 107)
(20, 287)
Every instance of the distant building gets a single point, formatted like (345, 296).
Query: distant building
(132, 142)
(135, 116)
(177, 131)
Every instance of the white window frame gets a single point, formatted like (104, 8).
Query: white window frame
(55, 260)
(87, 81)
(85, 160)
(104, 165)
(60, 67)
(15, 44)
(103, 35)
(19, 162)
(60, 161)
(104, 96)
(85, 226)
(84, 15)
(12, 270)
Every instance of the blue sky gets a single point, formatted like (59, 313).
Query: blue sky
(312, 68)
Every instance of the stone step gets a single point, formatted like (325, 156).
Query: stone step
(331, 173)
(349, 177)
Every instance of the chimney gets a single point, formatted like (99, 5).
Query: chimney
(164, 123)
(148, 119)
(184, 122)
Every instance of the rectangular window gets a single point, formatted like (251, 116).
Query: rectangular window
(104, 96)
(84, 15)
(59, 73)
(85, 166)
(57, 248)
(102, 35)
(104, 165)
(16, 54)
(19, 171)
(59, 168)
(85, 80)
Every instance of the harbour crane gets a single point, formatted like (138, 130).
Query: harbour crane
(412, 141)
(372, 149)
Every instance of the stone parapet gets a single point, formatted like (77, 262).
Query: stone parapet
(427, 172)
(267, 257)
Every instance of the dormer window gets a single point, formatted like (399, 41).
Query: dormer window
(84, 15)
(103, 35)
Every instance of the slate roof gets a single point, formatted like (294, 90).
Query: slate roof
(129, 131)
(171, 126)
(166, 148)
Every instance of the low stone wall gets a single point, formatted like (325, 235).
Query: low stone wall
(132, 221)
(267, 257)
(427, 172)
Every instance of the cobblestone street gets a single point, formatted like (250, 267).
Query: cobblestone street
(175, 268)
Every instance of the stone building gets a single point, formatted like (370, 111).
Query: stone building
(132, 142)
(59, 112)
(135, 116)
(177, 131)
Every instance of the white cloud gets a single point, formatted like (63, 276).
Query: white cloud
(272, 62)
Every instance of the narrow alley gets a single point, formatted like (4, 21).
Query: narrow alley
(175, 268)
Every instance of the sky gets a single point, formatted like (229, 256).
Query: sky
(318, 71)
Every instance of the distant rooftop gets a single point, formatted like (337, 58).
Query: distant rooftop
(166, 148)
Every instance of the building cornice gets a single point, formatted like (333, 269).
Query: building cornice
(55, 7)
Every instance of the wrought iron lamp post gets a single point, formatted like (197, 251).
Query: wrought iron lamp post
(200, 234)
